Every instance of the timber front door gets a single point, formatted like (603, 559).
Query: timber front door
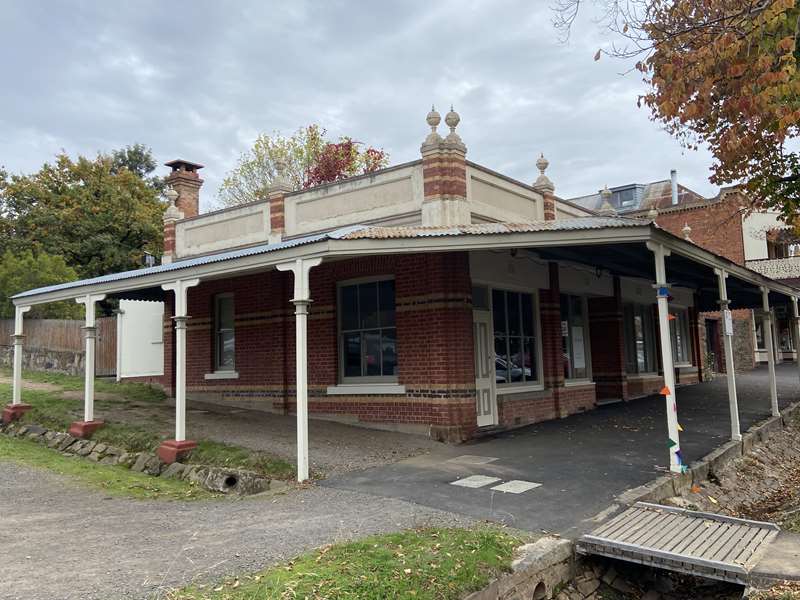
(485, 398)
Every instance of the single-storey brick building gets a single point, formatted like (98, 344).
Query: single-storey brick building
(436, 296)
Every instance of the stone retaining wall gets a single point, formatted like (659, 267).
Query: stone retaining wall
(41, 359)
(215, 479)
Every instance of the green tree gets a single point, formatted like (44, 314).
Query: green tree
(98, 214)
(139, 160)
(25, 271)
(309, 159)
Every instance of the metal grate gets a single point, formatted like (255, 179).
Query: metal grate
(676, 539)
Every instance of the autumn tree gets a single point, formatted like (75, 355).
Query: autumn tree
(308, 157)
(98, 214)
(721, 73)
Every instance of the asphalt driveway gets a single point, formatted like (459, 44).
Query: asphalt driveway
(581, 462)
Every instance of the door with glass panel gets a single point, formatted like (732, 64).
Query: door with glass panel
(485, 397)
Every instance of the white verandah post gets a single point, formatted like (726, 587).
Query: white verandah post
(171, 450)
(796, 332)
(727, 339)
(19, 338)
(662, 293)
(768, 342)
(86, 427)
(302, 298)
(16, 409)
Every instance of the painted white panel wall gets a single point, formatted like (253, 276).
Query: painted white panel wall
(390, 195)
(495, 198)
(140, 338)
(582, 280)
(241, 226)
(754, 229)
(500, 269)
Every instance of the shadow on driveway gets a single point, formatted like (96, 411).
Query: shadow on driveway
(581, 462)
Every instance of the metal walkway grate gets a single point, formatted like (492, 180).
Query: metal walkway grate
(691, 542)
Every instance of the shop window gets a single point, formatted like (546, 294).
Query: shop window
(367, 332)
(640, 339)
(513, 320)
(574, 337)
(224, 334)
(679, 331)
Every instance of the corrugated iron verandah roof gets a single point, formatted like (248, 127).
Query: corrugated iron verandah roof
(190, 262)
(406, 238)
(347, 233)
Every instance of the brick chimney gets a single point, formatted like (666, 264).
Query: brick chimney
(185, 180)
(545, 187)
(444, 173)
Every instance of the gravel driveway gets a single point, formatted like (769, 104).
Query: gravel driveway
(334, 448)
(58, 540)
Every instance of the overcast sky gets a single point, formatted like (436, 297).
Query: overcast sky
(200, 79)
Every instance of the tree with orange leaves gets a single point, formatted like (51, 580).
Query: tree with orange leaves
(721, 73)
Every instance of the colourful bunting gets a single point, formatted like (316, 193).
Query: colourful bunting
(680, 428)
(671, 443)
(665, 391)
(671, 317)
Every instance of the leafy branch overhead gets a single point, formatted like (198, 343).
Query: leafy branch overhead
(721, 73)
(309, 158)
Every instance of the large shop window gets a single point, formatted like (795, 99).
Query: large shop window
(574, 336)
(224, 337)
(679, 331)
(514, 338)
(368, 336)
(640, 339)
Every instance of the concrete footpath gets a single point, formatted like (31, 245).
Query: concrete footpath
(578, 464)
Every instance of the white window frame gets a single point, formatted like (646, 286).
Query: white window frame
(587, 347)
(524, 386)
(682, 320)
(377, 379)
(219, 372)
(652, 345)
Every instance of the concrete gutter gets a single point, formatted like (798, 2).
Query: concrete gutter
(678, 483)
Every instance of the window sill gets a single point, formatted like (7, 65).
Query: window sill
(519, 389)
(648, 375)
(347, 389)
(222, 375)
(577, 382)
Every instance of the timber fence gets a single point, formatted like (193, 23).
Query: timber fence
(59, 345)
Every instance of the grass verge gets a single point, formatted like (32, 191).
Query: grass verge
(52, 410)
(427, 564)
(116, 481)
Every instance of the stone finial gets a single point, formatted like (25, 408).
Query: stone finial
(433, 119)
(652, 213)
(280, 183)
(606, 208)
(453, 140)
(543, 183)
(173, 213)
(687, 231)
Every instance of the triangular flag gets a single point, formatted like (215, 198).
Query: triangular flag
(671, 444)
(674, 407)
(665, 391)
(679, 427)
(671, 317)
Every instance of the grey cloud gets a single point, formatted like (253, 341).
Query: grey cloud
(200, 79)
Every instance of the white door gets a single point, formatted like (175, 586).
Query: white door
(485, 398)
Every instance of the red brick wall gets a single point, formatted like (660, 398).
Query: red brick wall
(608, 355)
(716, 227)
(434, 342)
